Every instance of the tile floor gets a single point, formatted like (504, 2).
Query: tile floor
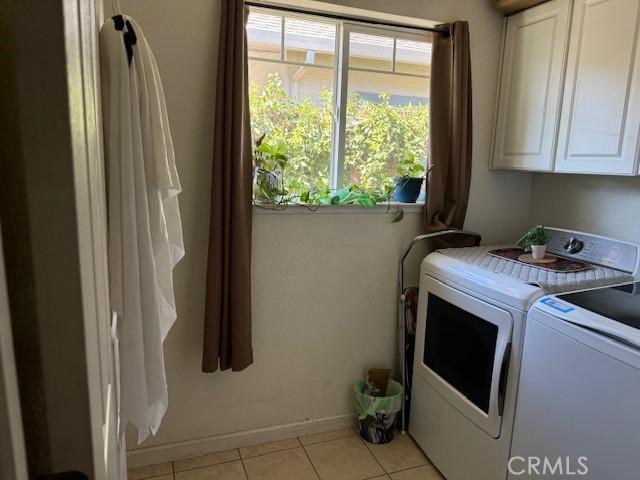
(335, 455)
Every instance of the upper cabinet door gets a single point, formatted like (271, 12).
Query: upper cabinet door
(530, 87)
(601, 107)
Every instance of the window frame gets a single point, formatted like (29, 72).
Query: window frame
(344, 28)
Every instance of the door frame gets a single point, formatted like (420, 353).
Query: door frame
(13, 457)
(54, 222)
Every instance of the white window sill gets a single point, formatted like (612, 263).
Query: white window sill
(339, 209)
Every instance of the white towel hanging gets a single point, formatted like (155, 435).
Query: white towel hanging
(145, 233)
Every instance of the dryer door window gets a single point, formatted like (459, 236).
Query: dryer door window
(463, 351)
(460, 347)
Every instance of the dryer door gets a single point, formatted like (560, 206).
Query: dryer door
(463, 345)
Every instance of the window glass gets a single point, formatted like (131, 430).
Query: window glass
(292, 106)
(298, 101)
(309, 42)
(264, 35)
(413, 57)
(387, 120)
(373, 52)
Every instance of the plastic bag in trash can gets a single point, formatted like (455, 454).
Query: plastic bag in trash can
(377, 414)
(369, 405)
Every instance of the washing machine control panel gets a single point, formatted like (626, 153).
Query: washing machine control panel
(593, 249)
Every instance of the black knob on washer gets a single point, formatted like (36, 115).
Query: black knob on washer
(573, 245)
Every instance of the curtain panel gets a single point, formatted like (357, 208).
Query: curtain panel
(450, 129)
(227, 323)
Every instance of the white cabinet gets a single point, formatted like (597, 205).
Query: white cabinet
(601, 106)
(531, 87)
(569, 98)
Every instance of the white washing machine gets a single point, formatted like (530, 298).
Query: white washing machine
(471, 321)
(579, 394)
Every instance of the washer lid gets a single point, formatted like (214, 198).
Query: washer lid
(620, 303)
(587, 311)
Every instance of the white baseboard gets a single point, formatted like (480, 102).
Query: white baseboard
(144, 456)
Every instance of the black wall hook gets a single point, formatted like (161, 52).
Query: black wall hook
(129, 36)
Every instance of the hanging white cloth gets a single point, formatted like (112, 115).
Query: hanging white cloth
(145, 233)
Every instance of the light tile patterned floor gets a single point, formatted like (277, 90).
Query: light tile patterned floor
(335, 455)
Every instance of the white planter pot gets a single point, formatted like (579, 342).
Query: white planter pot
(538, 251)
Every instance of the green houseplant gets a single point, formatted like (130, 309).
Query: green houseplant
(269, 164)
(409, 178)
(271, 190)
(535, 241)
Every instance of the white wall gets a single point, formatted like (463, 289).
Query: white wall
(324, 284)
(603, 205)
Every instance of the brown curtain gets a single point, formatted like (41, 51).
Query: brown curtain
(227, 323)
(450, 129)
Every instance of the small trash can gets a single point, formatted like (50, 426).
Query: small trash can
(377, 415)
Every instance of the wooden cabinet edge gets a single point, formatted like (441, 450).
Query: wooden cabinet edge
(496, 103)
(509, 7)
(499, 168)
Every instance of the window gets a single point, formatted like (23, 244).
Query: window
(344, 101)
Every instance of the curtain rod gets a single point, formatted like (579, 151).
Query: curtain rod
(334, 16)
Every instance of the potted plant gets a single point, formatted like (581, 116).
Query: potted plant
(410, 174)
(271, 191)
(536, 242)
(269, 163)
